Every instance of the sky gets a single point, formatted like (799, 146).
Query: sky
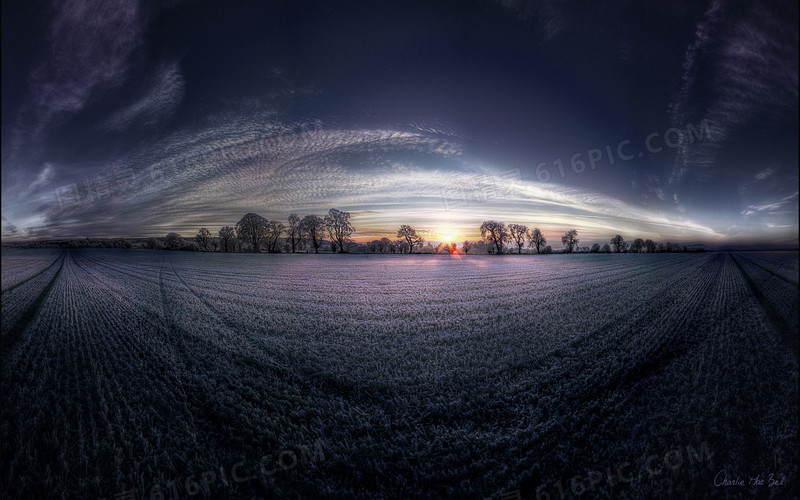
(675, 121)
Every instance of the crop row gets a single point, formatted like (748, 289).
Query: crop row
(446, 376)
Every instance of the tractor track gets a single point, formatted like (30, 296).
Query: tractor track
(775, 318)
(14, 333)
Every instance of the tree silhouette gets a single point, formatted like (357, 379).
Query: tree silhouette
(312, 227)
(637, 245)
(154, 244)
(339, 228)
(466, 246)
(494, 232)
(618, 244)
(570, 240)
(518, 233)
(274, 231)
(293, 231)
(252, 228)
(226, 236)
(399, 246)
(203, 238)
(410, 235)
(537, 240)
(173, 241)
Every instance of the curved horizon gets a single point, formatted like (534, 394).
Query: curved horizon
(670, 129)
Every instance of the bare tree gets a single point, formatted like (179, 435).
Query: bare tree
(252, 228)
(410, 235)
(595, 248)
(570, 240)
(518, 233)
(650, 245)
(537, 240)
(618, 244)
(274, 231)
(312, 228)
(494, 232)
(226, 237)
(214, 244)
(203, 238)
(293, 231)
(399, 246)
(154, 244)
(606, 248)
(173, 241)
(386, 245)
(339, 228)
(466, 246)
(637, 245)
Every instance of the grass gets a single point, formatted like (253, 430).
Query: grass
(398, 377)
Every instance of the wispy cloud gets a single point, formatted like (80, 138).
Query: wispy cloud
(44, 177)
(772, 206)
(765, 174)
(93, 51)
(749, 68)
(155, 102)
(90, 47)
(9, 230)
(384, 177)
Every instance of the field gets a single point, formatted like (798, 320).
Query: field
(174, 375)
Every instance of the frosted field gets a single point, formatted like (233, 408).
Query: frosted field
(176, 375)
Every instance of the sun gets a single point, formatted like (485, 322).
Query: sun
(447, 235)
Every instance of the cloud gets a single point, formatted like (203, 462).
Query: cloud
(765, 174)
(384, 177)
(94, 55)
(771, 206)
(748, 63)
(9, 229)
(45, 175)
(157, 101)
(91, 43)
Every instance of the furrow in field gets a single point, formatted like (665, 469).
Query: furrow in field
(734, 391)
(21, 305)
(582, 375)
(778, 299)
(782, 265)
(212, 370)
(433, 318)
(590, 385)
(19, 271)
(424, 377)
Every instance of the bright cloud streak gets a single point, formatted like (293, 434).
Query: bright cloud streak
(122, 119)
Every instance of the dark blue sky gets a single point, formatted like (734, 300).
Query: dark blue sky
(674, 121)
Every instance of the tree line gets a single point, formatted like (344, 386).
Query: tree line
(497, 234)
(332, 233)
(254, 233)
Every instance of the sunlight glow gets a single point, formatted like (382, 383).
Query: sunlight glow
(447, 234)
